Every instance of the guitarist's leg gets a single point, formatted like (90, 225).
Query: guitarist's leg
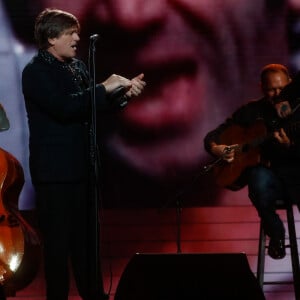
(2, 293)
(264, 190)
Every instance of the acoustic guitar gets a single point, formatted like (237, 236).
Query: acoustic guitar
(247, 151)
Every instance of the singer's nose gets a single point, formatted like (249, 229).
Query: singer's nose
(134, 14)
(76, 36)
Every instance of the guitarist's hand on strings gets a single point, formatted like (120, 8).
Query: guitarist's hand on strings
(282, 138)
(227, 152)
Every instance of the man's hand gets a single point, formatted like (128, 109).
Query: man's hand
(137, 86)
(133, 87)
(281, 137)
(115, 81)
(227, 152)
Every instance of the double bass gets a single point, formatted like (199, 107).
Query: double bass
(19, 242)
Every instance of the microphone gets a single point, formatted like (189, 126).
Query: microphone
(94, 37)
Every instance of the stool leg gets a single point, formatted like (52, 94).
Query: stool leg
(294, 250)
(261, 256)
(2, 293)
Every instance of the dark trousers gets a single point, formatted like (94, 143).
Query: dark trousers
(265, 188)
(2, 293)
(66, 219)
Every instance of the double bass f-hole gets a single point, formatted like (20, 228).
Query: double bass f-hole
(9, 220)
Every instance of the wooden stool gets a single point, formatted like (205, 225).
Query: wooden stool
(288, 207)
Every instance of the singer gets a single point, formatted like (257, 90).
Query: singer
(57, 97)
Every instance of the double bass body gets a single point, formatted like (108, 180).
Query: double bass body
(19, 245)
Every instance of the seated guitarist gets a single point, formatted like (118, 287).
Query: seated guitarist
(278, 177)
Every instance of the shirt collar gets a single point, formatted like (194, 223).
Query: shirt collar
(51, 59)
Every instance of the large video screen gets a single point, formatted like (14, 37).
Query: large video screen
(201, 61)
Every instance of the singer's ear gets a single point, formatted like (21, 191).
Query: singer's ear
(52, 41)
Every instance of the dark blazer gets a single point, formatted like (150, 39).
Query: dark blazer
(57, 101)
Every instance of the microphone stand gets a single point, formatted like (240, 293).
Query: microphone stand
(95, 163)
(178, 199)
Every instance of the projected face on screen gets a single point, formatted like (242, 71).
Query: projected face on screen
(201, 59)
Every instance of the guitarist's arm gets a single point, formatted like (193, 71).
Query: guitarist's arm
(213, 143)
(227, 152)
(244, 117)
